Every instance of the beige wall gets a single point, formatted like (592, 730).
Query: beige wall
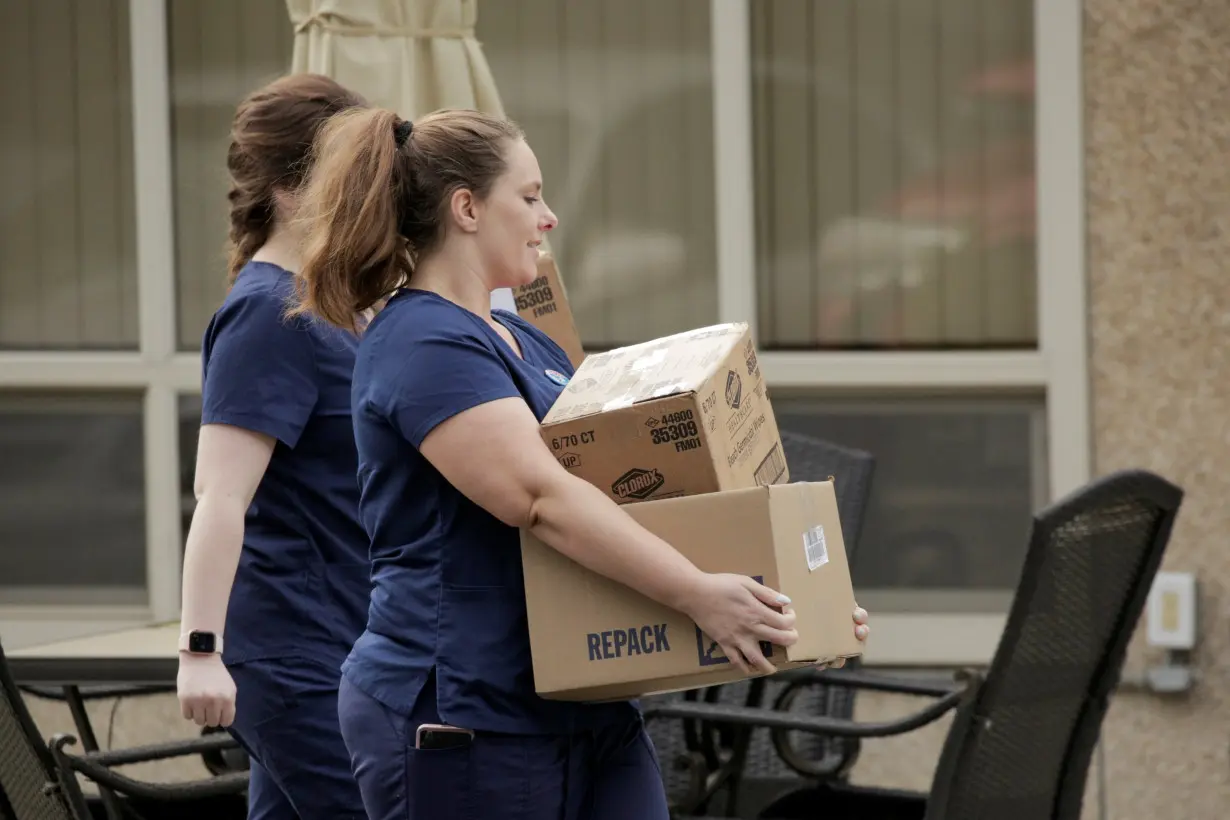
(1158, 147)
(1158, 143)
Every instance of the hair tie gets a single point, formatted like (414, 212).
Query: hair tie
(401, 131)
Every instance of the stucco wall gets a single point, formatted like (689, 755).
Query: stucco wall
(1158, 165)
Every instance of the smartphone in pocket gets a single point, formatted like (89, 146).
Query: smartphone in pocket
(439, 736)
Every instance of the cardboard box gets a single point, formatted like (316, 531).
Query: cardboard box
(593, 639)
(544, 304)
(681, 415)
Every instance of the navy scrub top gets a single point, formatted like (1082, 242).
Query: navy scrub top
(304, 579)
(448, 587)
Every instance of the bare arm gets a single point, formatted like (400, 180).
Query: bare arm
(494, 455)
(524, 486)
(230, 464)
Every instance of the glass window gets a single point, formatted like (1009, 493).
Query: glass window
(956, 483)
(616, 98)
(610, 92)
(68, 277)
(895, 179)
(72, 499)
(220, 50)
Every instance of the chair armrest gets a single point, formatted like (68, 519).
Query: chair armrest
(225, 785)
(154, 751)
(773, 719)
(872, 681)
(96, 766)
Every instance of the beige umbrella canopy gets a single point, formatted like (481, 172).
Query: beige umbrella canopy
(410, 56)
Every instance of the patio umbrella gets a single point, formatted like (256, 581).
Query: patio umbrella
(410, 56)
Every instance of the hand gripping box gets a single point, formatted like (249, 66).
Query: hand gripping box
(544, 304)
(681, 415)
(593, 639)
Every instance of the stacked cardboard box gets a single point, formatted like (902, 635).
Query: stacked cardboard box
(544, 304)
(681, 430)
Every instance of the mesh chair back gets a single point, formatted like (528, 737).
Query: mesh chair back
(809, 459)
(813, 459)
(1021, 747)
(26, 767)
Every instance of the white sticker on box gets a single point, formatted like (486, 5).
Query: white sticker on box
(816, 549)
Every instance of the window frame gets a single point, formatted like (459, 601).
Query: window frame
(1057, 370)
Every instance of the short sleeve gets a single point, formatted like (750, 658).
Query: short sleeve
(259, 369)
(442, 375)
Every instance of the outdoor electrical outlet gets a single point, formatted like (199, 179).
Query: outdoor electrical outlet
(1171, 617)
(1171, 626)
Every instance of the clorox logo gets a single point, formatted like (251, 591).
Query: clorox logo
(557, 377)
(638, 484)
(734, 389)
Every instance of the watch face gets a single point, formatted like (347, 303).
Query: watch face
(201, 642)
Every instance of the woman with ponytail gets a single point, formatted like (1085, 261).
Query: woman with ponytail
(276, 560)
(447, 400)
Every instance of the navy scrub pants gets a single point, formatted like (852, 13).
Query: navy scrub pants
(612, 774)
(286, 720)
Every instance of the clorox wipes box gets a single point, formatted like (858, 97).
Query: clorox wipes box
(594, 639)
(681, 415)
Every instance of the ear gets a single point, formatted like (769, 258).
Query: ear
(464, 208)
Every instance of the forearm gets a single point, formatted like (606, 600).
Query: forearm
(211, 558)
(576, 518)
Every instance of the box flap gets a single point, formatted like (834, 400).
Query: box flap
(652, 370)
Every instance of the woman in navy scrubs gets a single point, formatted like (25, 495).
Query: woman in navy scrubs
(276, 564)
(447, 399)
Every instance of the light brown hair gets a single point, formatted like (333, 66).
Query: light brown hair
(271, 139)
(377, 197)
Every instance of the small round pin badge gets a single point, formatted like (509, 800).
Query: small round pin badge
(557, 377)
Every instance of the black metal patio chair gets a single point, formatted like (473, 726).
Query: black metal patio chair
(39, 781)
(701, 758)
(1023, 733)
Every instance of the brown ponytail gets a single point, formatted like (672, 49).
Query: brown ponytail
(354, 255)
(376, 198)
(271, 135)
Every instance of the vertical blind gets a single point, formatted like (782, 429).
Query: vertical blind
(894, 164)
(616, 100)
(67, 215)
(220, 50)
(895, 173)
(615, 97)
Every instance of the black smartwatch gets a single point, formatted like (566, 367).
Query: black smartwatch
(197, 642)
